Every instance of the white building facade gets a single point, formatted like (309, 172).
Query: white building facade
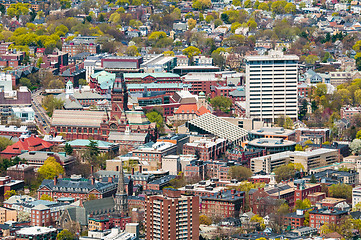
(271, 86)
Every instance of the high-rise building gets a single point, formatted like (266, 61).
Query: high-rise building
(271, 86)
(172, 216)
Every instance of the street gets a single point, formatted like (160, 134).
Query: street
(42, 119)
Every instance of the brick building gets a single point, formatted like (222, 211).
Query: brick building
(21, 172)
(162, 77)
(206, 149)
(77, 188)
(172, 216)
(74, 49)
(326, 215)
(227, 203)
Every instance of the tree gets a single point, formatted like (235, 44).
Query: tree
(191, 23)
(303, 204)
(83, 82)
(311, 59)
(9, 193)
(201, 4)
(190, 52)
(284, 172)
(4, 143)
(221, 103)
(65, 235)
(168, 53)
(288, 123)
(313, 179)
(278, 7)
(299, 148)
(240, 173)
(258, 219)
(50, 103)
(209, 18)
(17, 9)
(218, 59)
(203, 219)
(50, 169)
(340, 190)
(132, 51)
(218, 22)
(263, 6)
(290, 8)
(46, 197)
(156, 117)
(355, 146)
(68, 149)
(65, 4)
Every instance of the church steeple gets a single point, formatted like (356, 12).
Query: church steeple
(121, 198)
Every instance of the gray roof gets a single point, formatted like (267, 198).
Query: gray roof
(77, 185)
(133, 136)
(219, 127)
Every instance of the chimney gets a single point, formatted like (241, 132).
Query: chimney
(132, 171)
(55, 180)
(110, 179)
(140, 168)
(60, 176)
(92, 180)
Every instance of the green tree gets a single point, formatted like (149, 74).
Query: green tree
(311, 59)
(288, 123)
(299, 148)
(50, 103)
(284, 172)
(156, 117)
(46, 197)
(191, 51)
(221, 103)
(341, 190)
(65, 4)
(68, 149)
(50, 169)
(263, 6)
(4, 143)
(201, 4)
(218, 22)
(313, 179)
(303, 204)
(83, 82)
(240, 173)
(132, 51)
(278, 7)
(290, 8)
(248, 4)
(209, 18)
(65, 235)
(17, 9)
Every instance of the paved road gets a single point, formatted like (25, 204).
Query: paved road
(42, 119)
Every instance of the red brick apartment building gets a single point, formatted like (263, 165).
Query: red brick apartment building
(172, 216)
(326, 215)
(227, 203)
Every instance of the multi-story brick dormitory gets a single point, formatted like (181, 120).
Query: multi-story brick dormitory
(227, 203)
(77, 188)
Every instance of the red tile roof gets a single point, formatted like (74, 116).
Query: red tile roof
(32, 143)
(189, 108)
(202, 110)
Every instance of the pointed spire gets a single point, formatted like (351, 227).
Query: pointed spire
(121, 198)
